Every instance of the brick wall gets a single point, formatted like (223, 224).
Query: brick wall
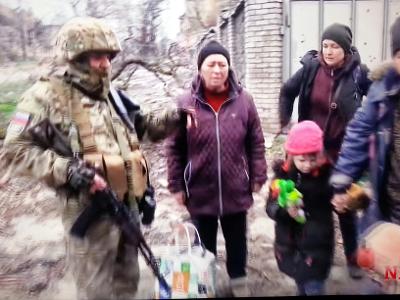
(223, 33)
(251, 30)
(237, 43)
(264, 52)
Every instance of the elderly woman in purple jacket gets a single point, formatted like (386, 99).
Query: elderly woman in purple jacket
(216, 162)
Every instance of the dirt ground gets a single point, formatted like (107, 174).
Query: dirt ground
(32, 264)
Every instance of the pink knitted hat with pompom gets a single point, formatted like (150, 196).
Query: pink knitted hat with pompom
(304, 138)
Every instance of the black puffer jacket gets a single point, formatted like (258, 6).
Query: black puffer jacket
(350, 85)
(304, 252)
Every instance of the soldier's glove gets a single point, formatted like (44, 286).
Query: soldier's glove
(147, 206)
(80, 175)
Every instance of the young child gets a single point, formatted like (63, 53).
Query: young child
(304, 249)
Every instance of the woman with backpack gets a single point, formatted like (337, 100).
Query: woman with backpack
(330, 86)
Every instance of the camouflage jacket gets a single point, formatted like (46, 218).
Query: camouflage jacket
(45, 100)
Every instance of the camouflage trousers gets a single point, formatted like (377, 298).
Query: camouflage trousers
(102, 264)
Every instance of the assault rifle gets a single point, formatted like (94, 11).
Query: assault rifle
(47, 136)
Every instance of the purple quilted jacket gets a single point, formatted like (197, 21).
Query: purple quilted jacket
(217, 162)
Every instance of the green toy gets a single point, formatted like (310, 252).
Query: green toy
(289, 196)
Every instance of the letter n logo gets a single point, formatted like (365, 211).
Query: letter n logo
(391, 273)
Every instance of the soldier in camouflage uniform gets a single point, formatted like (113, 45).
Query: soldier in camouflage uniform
(78, 99)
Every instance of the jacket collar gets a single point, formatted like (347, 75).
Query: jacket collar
(234, 86)
(386, 82)
(392, 82)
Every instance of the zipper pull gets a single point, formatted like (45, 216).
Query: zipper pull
(298, 179)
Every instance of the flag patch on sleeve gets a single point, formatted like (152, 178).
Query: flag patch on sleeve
(19, 122)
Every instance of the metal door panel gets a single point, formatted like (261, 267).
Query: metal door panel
(369, 31)
(337, 12)
(304, 30)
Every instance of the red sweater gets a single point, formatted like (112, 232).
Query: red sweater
(216, 99)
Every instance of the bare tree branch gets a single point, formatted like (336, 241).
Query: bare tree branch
(152, 67)
(74, 5)
(125, 82)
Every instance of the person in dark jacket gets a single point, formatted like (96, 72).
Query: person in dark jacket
(373, 138)
(304, 251)
(330, 87)
(217, 161)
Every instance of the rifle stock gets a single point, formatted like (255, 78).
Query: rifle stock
(47, 136)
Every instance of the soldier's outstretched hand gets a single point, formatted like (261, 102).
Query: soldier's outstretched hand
(191, 120)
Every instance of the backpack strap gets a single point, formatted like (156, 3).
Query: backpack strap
(135, 162)
(81, 121)
(357, 78)
(81, 139)
(123, 115)
(119, 130)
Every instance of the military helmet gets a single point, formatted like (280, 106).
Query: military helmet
(80, 35)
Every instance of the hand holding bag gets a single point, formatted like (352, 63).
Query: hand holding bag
(188, 268)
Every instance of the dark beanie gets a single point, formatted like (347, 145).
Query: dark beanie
(395, 36)
(341, 34)
(212, 47)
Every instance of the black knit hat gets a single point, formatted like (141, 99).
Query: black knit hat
(395, 36)
(212, 47)
(340, 34)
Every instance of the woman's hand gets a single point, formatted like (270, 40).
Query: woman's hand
(191, 120)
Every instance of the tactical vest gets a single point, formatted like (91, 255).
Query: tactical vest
(126, 172)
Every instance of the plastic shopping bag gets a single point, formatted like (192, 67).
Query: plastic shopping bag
(190, 272)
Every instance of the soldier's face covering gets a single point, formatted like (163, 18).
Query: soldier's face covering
(100, 63)
(92, 71)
